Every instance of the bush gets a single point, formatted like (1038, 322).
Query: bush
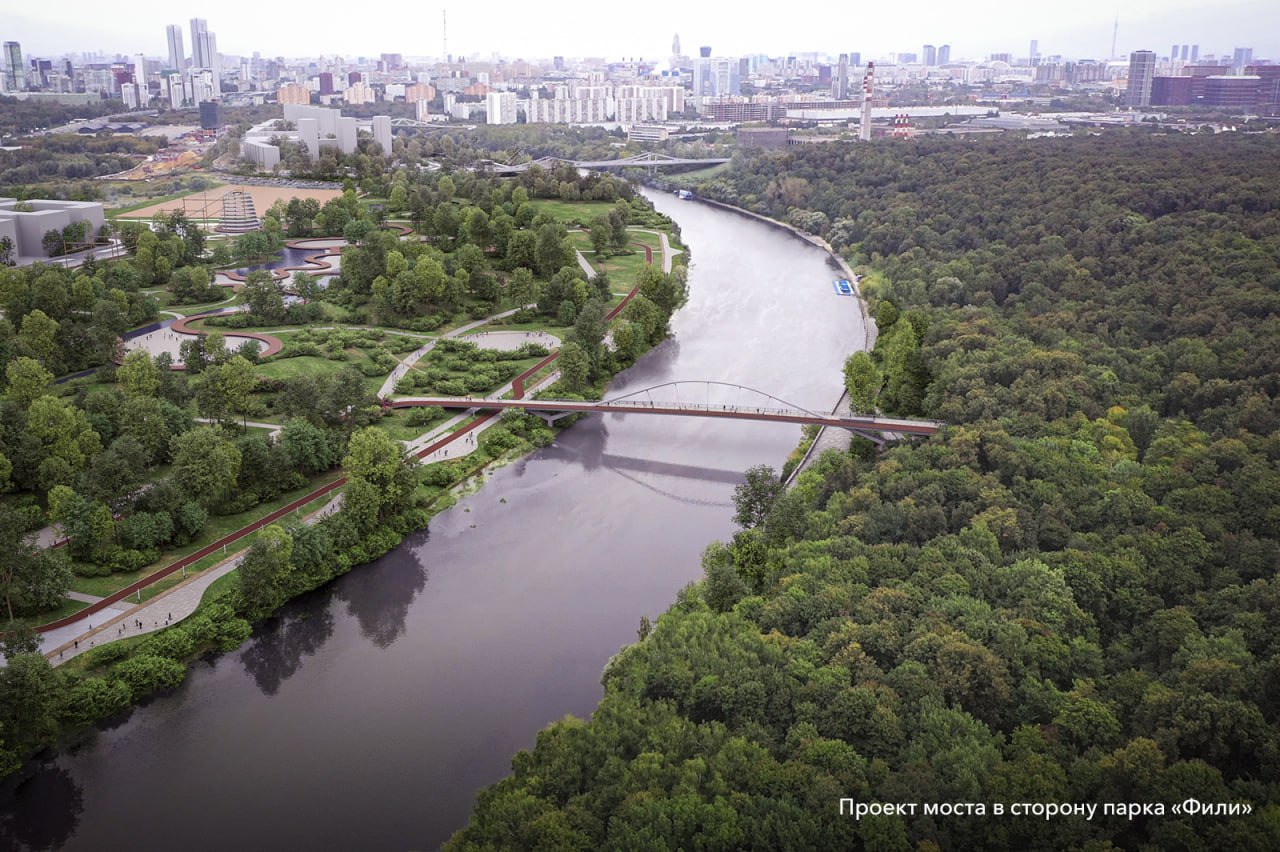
(497, 441)
(96, 698)
(421, 416)
(148, 673)
(85, 569)
(176, 643)
(107, 654)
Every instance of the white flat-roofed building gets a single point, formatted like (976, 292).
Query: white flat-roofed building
(501, 107)
(27, 228)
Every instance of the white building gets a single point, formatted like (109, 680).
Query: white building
(501, 107)
(629, 104)
(381, 128)
(129, 94)
(27, 229)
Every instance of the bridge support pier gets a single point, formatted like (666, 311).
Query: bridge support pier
(550, 417)
(874, 437)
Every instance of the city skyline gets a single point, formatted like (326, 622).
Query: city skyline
(1084, 31)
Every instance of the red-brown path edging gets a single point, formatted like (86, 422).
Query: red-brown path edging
(445, 440)
(273, 344)
(134, 588)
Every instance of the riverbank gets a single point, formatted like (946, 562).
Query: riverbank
(421, 674)
(114, 634)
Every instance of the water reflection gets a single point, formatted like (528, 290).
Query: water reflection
(279, 645)
(381, 597)
(47, 812)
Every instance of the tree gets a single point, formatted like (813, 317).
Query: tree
(589, 329)
(601, 235)
(264, 571)
(29, 582)
(138, 375)
(618, 217)
(53, 243)
(205, 464)
(552, 249)
(32, 695)
(28, 380)
(263, 296)
(39, 335)
(64, 433)
(521, 288)
(383, 483)
(575, 367)
(309, 447)
(753, 499)
(193, 284)
(862, 380)
(7, 251)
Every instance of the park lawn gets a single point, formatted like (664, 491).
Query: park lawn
(623, 268)
(572, 211)
(166, 301)
(67, 607)
(227, 301)
(299, 365)
(395, 424)
(217, 527)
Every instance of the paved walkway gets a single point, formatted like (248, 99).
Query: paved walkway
(668, 253)
(389, 386)
(167, 608)
(274, 428)
(468, 443)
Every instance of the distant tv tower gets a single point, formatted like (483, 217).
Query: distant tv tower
(444, 35)
(1114, 32)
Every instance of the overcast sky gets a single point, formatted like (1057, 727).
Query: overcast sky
(1079, 28)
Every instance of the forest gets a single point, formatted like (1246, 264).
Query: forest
(1067, 596)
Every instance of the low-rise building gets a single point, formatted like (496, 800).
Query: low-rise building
(26, 227)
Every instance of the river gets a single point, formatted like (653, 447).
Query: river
(368, 714)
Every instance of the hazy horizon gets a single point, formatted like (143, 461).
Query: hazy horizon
(1082, 30)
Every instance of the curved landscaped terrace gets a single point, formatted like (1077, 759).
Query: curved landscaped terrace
(272, 344)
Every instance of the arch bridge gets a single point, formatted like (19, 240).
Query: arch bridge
(692, 399)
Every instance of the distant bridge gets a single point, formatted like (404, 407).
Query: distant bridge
(650, 160)
(747, 404)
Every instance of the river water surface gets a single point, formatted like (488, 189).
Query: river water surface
(369, 713)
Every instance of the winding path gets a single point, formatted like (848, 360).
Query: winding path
(69, 634)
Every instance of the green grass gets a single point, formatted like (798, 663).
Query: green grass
(395, 425)
(300, 365)
(569, 211)
(67, 607)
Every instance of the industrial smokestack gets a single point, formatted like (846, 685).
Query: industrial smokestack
(868, 87)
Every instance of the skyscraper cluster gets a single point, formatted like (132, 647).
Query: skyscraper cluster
(204, 48)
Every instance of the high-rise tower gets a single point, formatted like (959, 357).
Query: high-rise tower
(1142, 71)
(15, 75)
(177, 56)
